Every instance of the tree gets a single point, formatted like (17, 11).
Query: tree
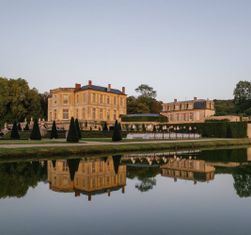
(72, 133)
(78, 129)
(146, 91)
(35, 133)
(135, 106)
(27, 128)
(145, 102)
(242, 92)
(54, 132)
(17, 100)
(117, 136)
(105, 128)
(14, 132)
(19, 126)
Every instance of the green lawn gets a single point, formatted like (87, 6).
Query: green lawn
(43, 141)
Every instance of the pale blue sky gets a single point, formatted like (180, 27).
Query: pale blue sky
(183, 48)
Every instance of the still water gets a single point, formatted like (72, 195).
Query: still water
(186, 192)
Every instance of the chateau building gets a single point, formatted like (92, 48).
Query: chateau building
(91, 104)
(192, 111)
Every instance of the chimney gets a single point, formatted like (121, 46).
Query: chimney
(123, 90)
(77, 86)
(195, 98)
(90, 83)
(109, 87)
(175, 100)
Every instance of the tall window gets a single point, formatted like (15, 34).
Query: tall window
(65, 99)
(65, 114)
(93, 98)
(108, 99)
(55, 99)
(83, 113)
(55, 114)
(108, 115)
(101, 114)
(114, 115)
(101, 99)
(76, 113)
(93, 113)
(121, 101)
(115, 100)
(77, 99)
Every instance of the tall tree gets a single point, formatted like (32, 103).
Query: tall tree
(17, 100)
(242, 92)
(14, 132)
(146, 91)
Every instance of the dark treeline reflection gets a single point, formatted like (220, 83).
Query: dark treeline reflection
(146, 176)
(103, 175)
(16, 178)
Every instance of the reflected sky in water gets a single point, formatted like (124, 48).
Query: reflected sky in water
(152, 202)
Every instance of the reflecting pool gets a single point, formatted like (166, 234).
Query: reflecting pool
(180, 192)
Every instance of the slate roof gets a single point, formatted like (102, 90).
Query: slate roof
(103, 89)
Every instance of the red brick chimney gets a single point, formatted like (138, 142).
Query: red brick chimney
(195, 98)
(77, 86)
(175, 100)
(90, 83)
(123, 90)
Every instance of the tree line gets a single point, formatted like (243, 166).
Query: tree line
(18, 101)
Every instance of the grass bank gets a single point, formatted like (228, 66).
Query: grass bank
(82, 150)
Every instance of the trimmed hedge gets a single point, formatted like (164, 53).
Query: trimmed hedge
(144, 119)
(216, 129)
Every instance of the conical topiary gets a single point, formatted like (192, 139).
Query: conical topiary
(78, 128)
(19, 126)
(26, 128)
(105, 128)
(14, 132)
(72, 133)
(54, 132)
(35, 133)
(117, 136)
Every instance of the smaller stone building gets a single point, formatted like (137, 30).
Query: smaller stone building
(190, 111)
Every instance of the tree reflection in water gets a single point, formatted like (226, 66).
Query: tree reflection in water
(16, 178)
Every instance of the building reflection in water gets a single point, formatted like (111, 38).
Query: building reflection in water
(188, 169)
(89, 176)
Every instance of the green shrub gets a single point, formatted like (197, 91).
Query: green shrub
(117, 136)
(54, 131)
(72, 133)
(14, 132)
(35, 133)
(78, 129)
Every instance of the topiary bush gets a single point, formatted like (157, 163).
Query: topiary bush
(72, 133)
(54, 131)
(78, 129)
(14, 132)
(117, 136)
(35, 133)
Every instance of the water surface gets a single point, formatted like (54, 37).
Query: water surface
(186, 192)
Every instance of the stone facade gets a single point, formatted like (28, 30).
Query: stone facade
(91, 104)
(192, 111)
